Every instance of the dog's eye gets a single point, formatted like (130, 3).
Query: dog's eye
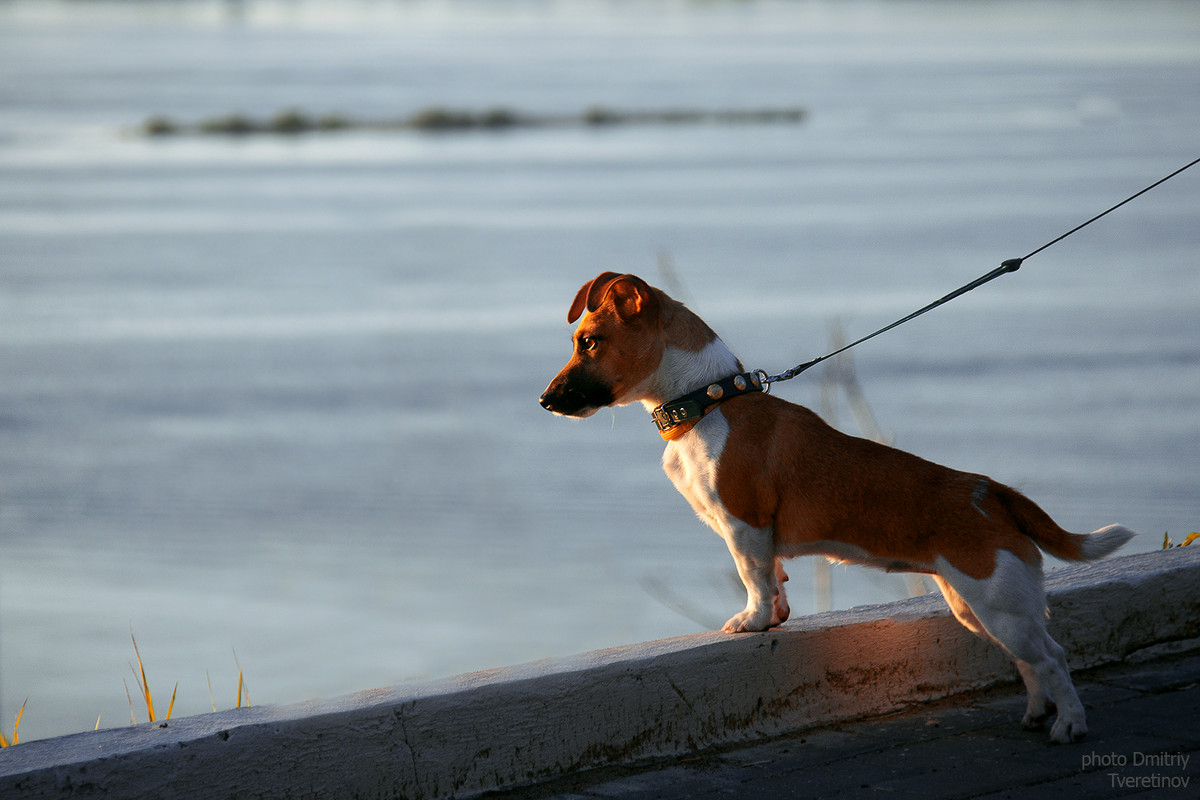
(587, 343)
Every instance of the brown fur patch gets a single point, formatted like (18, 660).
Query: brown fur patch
(683, 328)
(783, 466)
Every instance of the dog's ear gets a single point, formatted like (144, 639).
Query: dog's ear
(631, 295)
(590, 294)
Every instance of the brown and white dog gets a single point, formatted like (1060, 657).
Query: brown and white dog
(775, 482)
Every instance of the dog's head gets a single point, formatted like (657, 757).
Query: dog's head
(618, 346)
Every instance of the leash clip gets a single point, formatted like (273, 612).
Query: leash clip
(764, 380)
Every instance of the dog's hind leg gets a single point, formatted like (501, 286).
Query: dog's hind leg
(1036, 707)
(1009, 608)
(1040, 703)
(782, 609)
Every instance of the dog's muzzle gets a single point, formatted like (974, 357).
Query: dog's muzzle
(577, 393)
(569, 403)
(557, 404)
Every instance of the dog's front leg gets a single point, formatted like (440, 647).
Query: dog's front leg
(753, 552)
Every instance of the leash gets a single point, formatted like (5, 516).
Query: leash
(1011, 265)
(680, 415)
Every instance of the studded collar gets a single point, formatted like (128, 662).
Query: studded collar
(680, 415)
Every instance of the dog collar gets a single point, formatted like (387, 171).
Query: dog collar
(679, 416)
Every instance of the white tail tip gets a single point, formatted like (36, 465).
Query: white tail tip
(1104, 541)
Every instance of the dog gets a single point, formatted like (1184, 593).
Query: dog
(776, 482)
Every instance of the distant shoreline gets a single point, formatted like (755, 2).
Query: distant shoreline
(437, 119)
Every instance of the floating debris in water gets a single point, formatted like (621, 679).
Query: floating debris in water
(438, 119)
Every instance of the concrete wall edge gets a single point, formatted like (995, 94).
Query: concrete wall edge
(519, 725)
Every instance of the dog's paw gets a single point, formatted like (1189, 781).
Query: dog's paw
(749, 620)
(1034, 722)
(1067, 730)
(1037, 715)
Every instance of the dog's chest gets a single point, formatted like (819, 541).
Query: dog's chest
(691, 464)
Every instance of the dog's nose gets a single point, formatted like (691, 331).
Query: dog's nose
(545, 402)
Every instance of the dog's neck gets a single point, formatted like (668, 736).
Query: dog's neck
(683, 370)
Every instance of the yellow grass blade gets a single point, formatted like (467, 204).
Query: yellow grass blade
(4, 740)
(241, 683)
(128, 697)
(16, 734)
(143, 684)
(1166, 540)
(17, 722)
(171, 706)
(1191, 538)
(211, 699)
(98, 722)
(145, 692)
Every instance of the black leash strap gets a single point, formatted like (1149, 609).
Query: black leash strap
(1011, 265)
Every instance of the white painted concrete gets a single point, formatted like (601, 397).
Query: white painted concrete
(515, 726)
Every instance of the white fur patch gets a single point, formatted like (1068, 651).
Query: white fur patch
(691, 464)
(1104, 541)
(682, 371)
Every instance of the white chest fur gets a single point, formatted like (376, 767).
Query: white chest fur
(691, 464)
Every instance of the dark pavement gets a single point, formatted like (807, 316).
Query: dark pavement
(1144, 742)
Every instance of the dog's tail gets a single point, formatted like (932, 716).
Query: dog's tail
(1045, 532)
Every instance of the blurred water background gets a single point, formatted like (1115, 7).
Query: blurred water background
(278, 394)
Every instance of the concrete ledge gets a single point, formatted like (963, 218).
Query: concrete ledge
(510, 727)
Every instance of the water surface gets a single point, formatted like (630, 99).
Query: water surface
(279, 394)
